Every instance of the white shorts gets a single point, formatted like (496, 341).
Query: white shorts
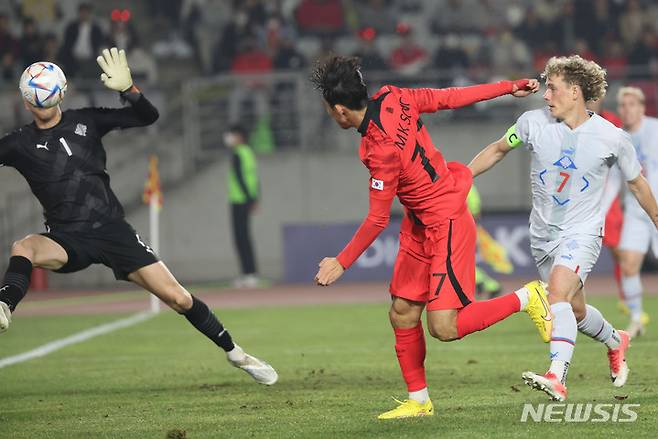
(576, 252)
(638, 234)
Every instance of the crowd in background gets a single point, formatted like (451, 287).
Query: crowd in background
(406, 36)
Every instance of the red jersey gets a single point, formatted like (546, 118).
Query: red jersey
(611, 117)
(402, 160)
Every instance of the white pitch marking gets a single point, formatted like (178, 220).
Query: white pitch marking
(56, 345)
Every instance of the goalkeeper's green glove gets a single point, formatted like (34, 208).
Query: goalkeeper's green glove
(116, 73)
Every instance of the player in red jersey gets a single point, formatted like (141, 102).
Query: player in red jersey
(611, 204)
(435, 267)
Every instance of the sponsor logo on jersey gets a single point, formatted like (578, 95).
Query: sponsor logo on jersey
(44, 146)
(377, 184)
(81, 129)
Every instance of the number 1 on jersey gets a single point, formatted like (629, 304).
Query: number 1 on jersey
(565, 177)
(66, 146)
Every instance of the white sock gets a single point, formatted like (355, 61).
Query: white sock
(524, 297)
(563, 339)
(421, 396)
(595, 326)
(632, 288)
(236, 354)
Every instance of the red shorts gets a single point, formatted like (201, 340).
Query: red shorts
(436, 265)
(614, 220)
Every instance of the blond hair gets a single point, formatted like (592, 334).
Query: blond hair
(633, 91)
(587, 75)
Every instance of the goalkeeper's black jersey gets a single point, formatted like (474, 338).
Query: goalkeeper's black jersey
(65, 165)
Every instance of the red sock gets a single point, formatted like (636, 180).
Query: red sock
(477, 316)
(618, 279)
(410, 348)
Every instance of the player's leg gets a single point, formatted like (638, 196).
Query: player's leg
(631, 264)
(592, 323)
(636, 238)
(409, 293)
(563, 283)
(31, 251)
(157, 279)
(452, 310)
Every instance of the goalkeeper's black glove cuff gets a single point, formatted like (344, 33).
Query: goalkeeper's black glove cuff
(131, 95)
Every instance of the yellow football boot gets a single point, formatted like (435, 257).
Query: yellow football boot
(409, 409)
(539, 310)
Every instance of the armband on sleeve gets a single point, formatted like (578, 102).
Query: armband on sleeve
(512, 138)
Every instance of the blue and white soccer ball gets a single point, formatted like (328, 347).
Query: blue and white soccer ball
(43, 84)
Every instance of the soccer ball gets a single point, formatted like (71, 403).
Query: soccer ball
(43, 84)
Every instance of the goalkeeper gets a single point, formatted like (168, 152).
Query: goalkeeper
(62, 158)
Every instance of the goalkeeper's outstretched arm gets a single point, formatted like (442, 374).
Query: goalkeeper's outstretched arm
(116, 76)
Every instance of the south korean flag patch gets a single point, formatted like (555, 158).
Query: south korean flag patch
(377, 184)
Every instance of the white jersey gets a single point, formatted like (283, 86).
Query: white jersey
(612, 188)
(569, 170)
(645, 141)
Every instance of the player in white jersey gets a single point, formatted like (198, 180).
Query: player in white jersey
(638, 234)
(572, 152)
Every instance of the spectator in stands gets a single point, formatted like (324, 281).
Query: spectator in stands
(31, 43)
(122, 35)
(243, 194)
(409, 57)
(615, 60)
(320, 17)
(644, 55)
(532, 30)
(454, 16)
(510, 56)
(371, 59)
(9, 50)
(251, 58)
(51, 48)
(376, 14)
(451, 59)
(489, 16)
(595, 23)
(83, 40)
(44, 12)
(226, 48)
(285, 55)
(633, 22)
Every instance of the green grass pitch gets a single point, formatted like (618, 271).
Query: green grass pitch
(337, 371)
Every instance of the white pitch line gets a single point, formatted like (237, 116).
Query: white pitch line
(56, 345)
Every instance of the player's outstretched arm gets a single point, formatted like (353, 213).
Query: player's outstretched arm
(430, 100)
(642, 191)
(489, 156)
(116, 76)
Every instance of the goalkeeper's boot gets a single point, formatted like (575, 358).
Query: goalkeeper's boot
(547, 383)
(5, 316)
(259, 370)
(539, 310)
(617, 359)
(409, 409)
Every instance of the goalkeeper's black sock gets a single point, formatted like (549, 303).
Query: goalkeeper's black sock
(17, 280)
(205, 321)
